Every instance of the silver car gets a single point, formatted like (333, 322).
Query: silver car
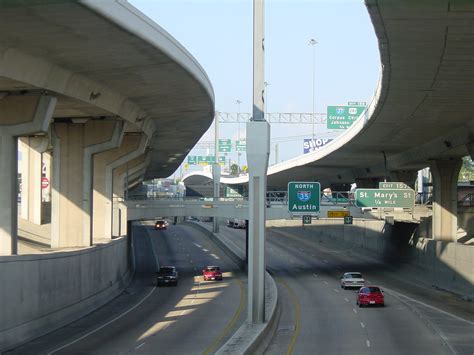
(352, 279)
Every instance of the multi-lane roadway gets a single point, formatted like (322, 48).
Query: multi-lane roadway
(319, 317)
(195, 317)
(316, 315)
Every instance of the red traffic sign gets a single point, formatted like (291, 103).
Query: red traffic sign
(44, 182)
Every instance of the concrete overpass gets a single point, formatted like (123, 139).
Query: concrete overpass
(100, 88)
(94, 97)
(420, 114)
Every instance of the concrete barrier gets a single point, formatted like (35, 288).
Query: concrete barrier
(43, 292)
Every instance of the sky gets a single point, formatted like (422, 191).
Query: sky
(218, 34)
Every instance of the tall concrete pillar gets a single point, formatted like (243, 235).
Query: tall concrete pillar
(32, 149)
(216, 180)
(74, 145)
(445, 174)
(19, 116)
(131, 147)
(124, 177)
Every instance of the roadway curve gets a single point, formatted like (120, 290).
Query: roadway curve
(317, 316)
(195, 317)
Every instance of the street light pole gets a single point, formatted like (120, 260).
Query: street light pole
(238, 102)
(312, 42)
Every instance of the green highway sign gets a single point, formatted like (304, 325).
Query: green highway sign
(348, 219)
(393, 185)
(204, 160)
(240, 146)
(225, 145)
(342, 117)
(304, 196)
(307, 219)
(404, 198)
(232, 192)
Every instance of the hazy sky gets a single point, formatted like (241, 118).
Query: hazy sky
(218, 34)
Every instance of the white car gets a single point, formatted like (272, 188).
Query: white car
(352, 279)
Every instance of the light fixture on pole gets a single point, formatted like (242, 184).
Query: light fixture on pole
(312, 42)
(238, 102)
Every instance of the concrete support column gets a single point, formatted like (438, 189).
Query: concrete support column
(216, 180)
(132, 146)
(445, 215)
(125, 177)
(32, 149)
(75, 144)
(19, 116)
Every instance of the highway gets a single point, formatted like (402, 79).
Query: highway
(195, 317)
(319, 317)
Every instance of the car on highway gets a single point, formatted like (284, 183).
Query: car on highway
(212, 273)
(370, 296)
(236, 223)
(352, 279)
(161, 224)
(167, 275)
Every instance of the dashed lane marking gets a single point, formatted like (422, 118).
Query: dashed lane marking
(368, 343)
(197, 245)
(355, 310)
(346, 299)
(139, 346)
(203, 249)
(325, 282)
(362, 324)
(315, 275)
(335, 290)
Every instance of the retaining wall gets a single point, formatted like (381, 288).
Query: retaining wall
(40, 293)
(446, 265)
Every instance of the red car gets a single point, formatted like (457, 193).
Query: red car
(212, 273)
(370, 295)
(160, 224)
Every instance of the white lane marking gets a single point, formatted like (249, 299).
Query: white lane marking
(193, 300)
(336, 290)
(197, 245)
(204, 249)
(368, 343)
(346, 299)
(182, 312)
(315, 275)
(139, 346)
(326, 261)
(428, 306)
(313, 255)
(195, 268)
(355, 310)
(325, 282)
(191, 261)
(103, 325)
(362, 324)
(215, 256)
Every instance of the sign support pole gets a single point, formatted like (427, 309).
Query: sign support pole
(216, 174)
(258, 133)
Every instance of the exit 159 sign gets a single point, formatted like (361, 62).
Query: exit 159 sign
(403, 198)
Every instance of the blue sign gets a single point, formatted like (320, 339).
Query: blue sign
(303, 196)
(310, 145)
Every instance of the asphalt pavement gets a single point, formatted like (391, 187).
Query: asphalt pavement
(196, 317)
(319, 317)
